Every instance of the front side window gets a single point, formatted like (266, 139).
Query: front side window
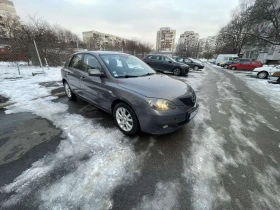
(76, 62)
(126, 65)
(90, 62)
(245, 62)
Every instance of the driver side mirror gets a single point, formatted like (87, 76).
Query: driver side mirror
(95, 73)
(169, 61)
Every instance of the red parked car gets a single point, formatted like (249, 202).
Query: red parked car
(246, 65)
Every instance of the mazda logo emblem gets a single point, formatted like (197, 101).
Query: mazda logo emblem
(193, 98)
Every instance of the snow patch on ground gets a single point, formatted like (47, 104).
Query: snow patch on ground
(22, 90)
(271, 92)
(102, 158)
(194, 78)
(207, 162)
(95, 160)
(269, 198)
(165, 197)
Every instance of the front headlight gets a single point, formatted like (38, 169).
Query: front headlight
(160, 104)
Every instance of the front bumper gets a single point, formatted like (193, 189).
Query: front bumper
(273, 79)
(185, 70)
(163, 122)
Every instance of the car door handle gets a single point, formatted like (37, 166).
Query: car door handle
(68, 72)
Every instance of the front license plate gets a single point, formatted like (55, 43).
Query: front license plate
(193, 114)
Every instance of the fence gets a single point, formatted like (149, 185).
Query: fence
(36, 53)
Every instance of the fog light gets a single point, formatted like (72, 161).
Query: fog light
(165, 126)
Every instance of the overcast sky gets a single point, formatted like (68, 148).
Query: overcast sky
(132, 18)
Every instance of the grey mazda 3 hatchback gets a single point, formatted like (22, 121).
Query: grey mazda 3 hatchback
(127, 88)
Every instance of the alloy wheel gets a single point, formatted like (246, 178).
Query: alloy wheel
(195, 68)
(262, 75)
(124, 119)
(67, 90)
(177, 72)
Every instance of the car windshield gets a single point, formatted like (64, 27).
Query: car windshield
(126, 66)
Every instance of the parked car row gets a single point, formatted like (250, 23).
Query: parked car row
(177, 65)
(127, 88)
(263, 72)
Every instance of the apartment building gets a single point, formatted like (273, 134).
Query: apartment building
(98, 38)
(7, 6)
(190, 38)
(207, 44)
(166, 39)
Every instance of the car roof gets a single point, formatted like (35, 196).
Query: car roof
(102, 53)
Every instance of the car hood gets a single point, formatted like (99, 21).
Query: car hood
(156, 86)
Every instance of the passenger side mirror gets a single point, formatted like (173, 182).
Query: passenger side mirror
(95, 73)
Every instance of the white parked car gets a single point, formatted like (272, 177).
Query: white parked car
(265, 71)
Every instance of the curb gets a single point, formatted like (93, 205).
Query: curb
(59, 95)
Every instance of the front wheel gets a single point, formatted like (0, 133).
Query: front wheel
(195, 68)
(177, 72)
(71, 96)
(263, 75)
(126, 119)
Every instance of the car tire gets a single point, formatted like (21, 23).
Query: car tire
(233, 68)
(177, 71)
(263, 75)
(71, 96)
(196, 68)
(225, 66)
(125, 116)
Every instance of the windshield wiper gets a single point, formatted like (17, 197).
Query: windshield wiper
(147, 74)
(126, 76)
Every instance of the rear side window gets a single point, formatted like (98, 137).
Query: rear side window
(246, 62)
(155, 57)
(255, 62)
(76, 62)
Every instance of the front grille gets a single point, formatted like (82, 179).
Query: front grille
(190, 101)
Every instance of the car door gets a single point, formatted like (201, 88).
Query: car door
(155, 61)
(74, 74)
(255, 64)
(188, 62)
(244, 65)
(167, 64)
(94, 88)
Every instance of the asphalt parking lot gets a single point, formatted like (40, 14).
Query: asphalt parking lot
(75, 158)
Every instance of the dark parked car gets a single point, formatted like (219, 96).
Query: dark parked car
(194, 64)
(228, 63)
(164, 63)
(130, 90)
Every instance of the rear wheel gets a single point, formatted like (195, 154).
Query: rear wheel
(71, 96)
(225, 66)
(263, 75)
(177, 71)
(126, 119)
(233, 68)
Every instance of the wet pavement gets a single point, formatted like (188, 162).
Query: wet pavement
(226, 158)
